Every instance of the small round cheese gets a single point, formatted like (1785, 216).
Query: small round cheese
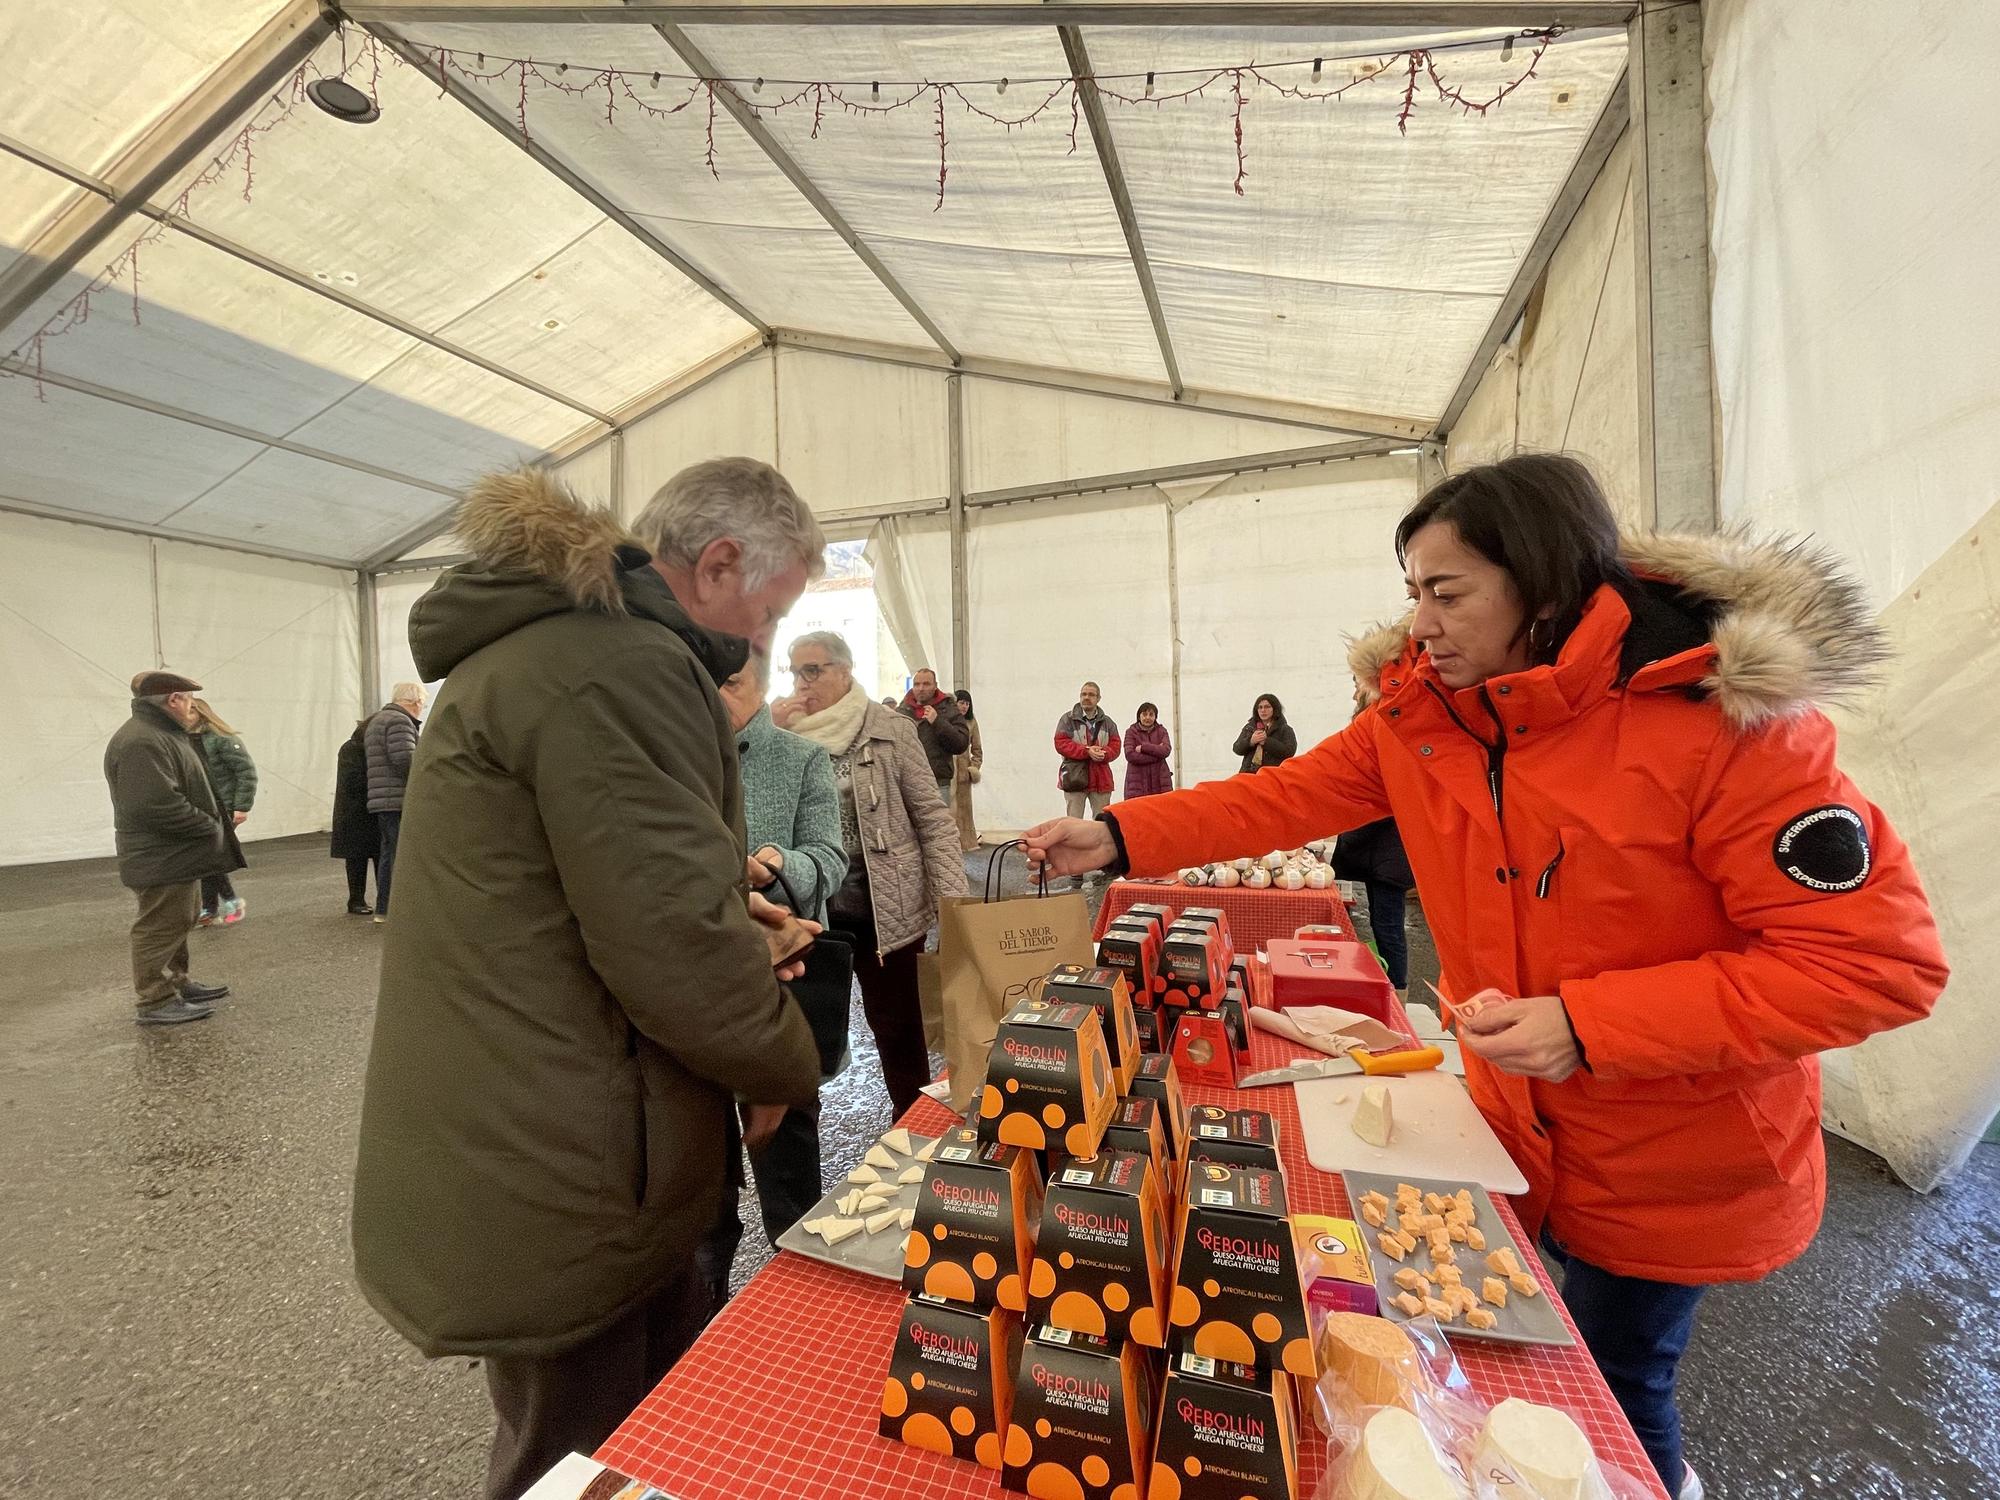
(1537, 1446)
(1371, 1358)
(1395, 1461)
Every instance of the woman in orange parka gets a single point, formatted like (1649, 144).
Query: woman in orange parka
(1622, 807)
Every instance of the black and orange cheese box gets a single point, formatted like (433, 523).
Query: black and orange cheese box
(1109, 992)
(1082, 1427)
(1048, 1080)
(1193, 964)
(1102, 1256)
(1227, 1432)
(1156, 912)
(1202, 1049)
(1136, 1126)
(1151, 1024)
(974, 1234)
(1213, 915)
(1235, 1013)
(1160, 1081)
(951, 1379)
(1235, 1137)
(1237, 1293)
(1133, 948)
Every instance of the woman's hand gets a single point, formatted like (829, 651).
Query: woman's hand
(236, 819)
(770, 855)
(1529, 1037)
(1069, 846)
(776, 918)
(785, 712)
(1257, 736)
(757, 873)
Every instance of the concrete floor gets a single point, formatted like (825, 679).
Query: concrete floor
(179, 1318)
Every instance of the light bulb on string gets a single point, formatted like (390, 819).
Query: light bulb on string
(1507, 49)
(875, 89)
(1316, 63)
(1002, 87)
(1149, 85)
(756, 85)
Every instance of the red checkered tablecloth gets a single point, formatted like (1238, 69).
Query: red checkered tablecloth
(1255, 916)
(779, 1397)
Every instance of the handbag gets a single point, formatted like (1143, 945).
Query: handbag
(825, 991)
(1074, 776)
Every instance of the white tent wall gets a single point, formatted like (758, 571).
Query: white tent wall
(274, 645)
(1855, 211)
(1567, 379)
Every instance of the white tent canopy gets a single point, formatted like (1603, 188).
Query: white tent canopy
(1100, 413)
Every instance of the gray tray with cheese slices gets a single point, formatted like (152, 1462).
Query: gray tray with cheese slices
(1524, 1320)
(879, 1254)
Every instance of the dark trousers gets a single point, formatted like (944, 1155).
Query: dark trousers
(1637, 1331)
(571, 1402)
(357, 879)
(786, 1169)
(1385, 921)
(895, 1013)
(160, 940)
(391, 824)
(216, 889)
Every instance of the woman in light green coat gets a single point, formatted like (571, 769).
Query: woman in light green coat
(234, 776)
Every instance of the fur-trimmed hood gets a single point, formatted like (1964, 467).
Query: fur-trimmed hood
(1791, 630)
(537, 550)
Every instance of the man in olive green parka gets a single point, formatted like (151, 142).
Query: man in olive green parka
(574, 989)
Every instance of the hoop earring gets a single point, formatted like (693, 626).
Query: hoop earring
(1542, 637)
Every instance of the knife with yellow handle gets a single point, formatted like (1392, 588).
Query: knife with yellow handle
(1373, 1064)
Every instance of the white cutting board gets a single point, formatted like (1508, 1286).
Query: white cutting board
(1439, 1132)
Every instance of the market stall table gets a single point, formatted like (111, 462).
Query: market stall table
(1255, 915)
(779, 1398)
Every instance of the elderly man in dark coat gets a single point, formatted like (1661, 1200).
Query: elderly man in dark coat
(170, 833)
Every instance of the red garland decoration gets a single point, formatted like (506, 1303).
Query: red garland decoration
(942, 170)
(1410, 94)
(1236, 93)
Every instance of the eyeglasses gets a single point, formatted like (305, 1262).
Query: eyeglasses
(812, 671)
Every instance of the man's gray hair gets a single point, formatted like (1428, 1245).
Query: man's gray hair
(406, 692)
(832, 642)
(743, 500)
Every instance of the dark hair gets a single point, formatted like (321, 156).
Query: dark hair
(1142, 711)
(1277, 708)
(964, 700)
(1541, 518)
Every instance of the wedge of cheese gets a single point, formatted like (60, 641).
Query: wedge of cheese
(879, 1222)
(930, 1150)
(865, 1173)
(1374, 1121)
(911, 1176)
(898, 1141)
(879, 1157)
(849, 1202)
(1538, 1445)
(876, 1197)
(906, 1217)
(833, 1231)
(1395, 1461)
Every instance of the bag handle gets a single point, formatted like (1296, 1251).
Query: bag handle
(785, 888)
(996, 871)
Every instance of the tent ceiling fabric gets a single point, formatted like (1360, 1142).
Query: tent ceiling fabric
(1359, 268)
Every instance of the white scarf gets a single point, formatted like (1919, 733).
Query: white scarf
(838, 727)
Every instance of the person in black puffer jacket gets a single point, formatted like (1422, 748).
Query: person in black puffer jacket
(356, 837)
(390, 742)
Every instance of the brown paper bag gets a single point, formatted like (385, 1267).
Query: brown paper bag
(989, 953)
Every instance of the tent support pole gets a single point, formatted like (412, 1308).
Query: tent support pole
(618, 475)
(1430, 464)
(1419, 14)
(1121, 197)
(163, 152)
(12, 507)
(1612, 118)
(153, 579)
(1677, 447)
(1173, 616)
(368, 620)
(747, 120)
(961, 642)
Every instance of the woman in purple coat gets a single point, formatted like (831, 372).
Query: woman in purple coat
(1147, 746)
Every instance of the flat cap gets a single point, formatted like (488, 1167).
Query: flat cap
(154, 684)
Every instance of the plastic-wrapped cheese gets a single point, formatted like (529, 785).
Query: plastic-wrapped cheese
(1318, 878)
(1539, 1446)
(1258, 879)
(1225, 876)
(1291, 880)
(1275, 860)
(1372, 1359)
(1194, 877)
(1374, 1120)
(1395, 1461)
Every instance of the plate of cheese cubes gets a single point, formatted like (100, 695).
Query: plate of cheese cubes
(1440, 1248)
(864, 1221)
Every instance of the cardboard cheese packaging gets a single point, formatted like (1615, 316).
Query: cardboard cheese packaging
(1048, 1080)
(1109, 993)
(1132, 946)
(1083, 1418)
(951, 1379)
(1194, 965)
(1227, 1432)
(1136, 1125)
(974, 1234)
(1237, 1293)
(1333, 1261)
(1235, 1013)
(1202, 1049)
(1238, 1137)
(1159, 1080)
(1102, 1254)
(1153, 1027)
(1159, 914)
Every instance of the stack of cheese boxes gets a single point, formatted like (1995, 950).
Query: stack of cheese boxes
(1193, 992)
(1105, 1298)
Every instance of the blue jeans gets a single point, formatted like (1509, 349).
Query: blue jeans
(1637, 1331)
(1385, 921)
(391, 824)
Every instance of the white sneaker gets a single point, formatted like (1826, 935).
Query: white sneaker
(1691, 1487)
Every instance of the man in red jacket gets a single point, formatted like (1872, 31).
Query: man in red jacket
(1087, 741)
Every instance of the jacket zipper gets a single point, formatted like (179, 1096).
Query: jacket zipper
(1496, 748)
(1549, 874)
